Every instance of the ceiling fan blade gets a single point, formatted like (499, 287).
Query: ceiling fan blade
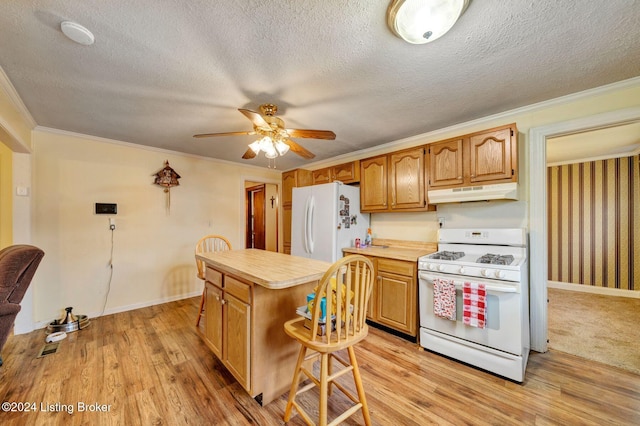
(248, 154)
(255, 118)
(312, 134)
(299, 149)
(209, 135)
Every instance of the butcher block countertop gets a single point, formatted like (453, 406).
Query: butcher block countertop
(266, 268)
(395, 249)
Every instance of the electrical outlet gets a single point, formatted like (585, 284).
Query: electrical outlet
(441, 221)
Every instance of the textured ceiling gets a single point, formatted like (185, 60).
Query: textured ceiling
(160, 72)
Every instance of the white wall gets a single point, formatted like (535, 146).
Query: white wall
(153, 251)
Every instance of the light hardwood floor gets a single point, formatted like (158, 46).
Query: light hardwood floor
(151, 367)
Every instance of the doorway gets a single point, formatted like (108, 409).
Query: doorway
(261, 216)
(594, 244)
(538, 231)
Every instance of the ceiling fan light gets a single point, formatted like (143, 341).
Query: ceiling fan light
(271, 153)
(423, 21)
(266, 143)
(255, 146)
(282, 147)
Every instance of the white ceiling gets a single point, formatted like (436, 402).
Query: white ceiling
(160, 72)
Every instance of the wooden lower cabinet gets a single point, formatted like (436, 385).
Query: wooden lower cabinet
(213, 318)
(394, 298)
(237, 342)
(228, 326)
(244, 328)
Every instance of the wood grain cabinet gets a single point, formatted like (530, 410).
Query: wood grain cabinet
(228, 324)
(373, 184)
(396, 295)
(488, 157)
(394, 182)
(291, 179)
(345, 173)
(394, 302)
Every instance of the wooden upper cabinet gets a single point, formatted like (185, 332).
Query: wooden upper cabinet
(321, 176)
(445, 164)
(394, 182)
(346, 173)
(373, 184)
(293, 179)
(490, 156)
(406, 179)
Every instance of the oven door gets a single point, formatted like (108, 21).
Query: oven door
(503, 330)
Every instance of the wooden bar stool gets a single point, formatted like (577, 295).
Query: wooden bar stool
(208, 243)
(346, 286)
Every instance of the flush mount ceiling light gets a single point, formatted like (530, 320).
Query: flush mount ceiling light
(422, 21)
(77, 33)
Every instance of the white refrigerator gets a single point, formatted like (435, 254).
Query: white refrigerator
(325, 219)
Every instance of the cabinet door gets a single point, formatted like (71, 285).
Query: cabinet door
(286, 229)
(371, 307)
(406, 178)
(396, 299)
(288, 183)
(213, 318)
(445, 163)
(491, 156)
(321, 176)
(347, 172)
(237, 343)
(373, 184)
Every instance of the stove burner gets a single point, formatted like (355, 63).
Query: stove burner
(447, 255)
(496, 259)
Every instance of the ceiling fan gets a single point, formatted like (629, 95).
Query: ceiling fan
(274, 137)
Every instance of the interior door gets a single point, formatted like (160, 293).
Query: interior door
(256, 217)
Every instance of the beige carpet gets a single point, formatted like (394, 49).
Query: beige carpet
(597, 327)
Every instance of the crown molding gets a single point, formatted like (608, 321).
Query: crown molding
(142, 147)
(10, 90)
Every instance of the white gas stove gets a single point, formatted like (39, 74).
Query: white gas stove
(495, 261)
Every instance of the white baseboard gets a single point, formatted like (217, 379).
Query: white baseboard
(43, 324)
(595, 290)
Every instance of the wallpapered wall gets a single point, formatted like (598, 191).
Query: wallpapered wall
(594, 223)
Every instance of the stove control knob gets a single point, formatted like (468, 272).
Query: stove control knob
(461, 270)
(440, 268)
(485, 272)
(499, 274)
(432, 267)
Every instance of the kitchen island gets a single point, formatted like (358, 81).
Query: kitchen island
(249, 295)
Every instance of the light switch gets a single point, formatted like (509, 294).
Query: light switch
(22, 191)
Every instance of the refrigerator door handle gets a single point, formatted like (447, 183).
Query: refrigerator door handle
(309, 224)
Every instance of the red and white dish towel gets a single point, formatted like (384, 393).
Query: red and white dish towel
(444, 298)
(474, 297)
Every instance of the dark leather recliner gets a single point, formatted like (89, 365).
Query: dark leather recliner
(18, 264)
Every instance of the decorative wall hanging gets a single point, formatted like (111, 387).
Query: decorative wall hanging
(167, 177)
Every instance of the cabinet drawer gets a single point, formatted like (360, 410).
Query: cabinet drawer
(397, 267)
(213, 276)
(239, 289)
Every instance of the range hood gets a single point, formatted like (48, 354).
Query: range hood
(500, 191)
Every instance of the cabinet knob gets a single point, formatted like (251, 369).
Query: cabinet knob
(222, 302)
(459, 177)
(473, 175)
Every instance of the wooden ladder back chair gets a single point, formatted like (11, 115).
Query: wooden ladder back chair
(206, 244)
(346, 287)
